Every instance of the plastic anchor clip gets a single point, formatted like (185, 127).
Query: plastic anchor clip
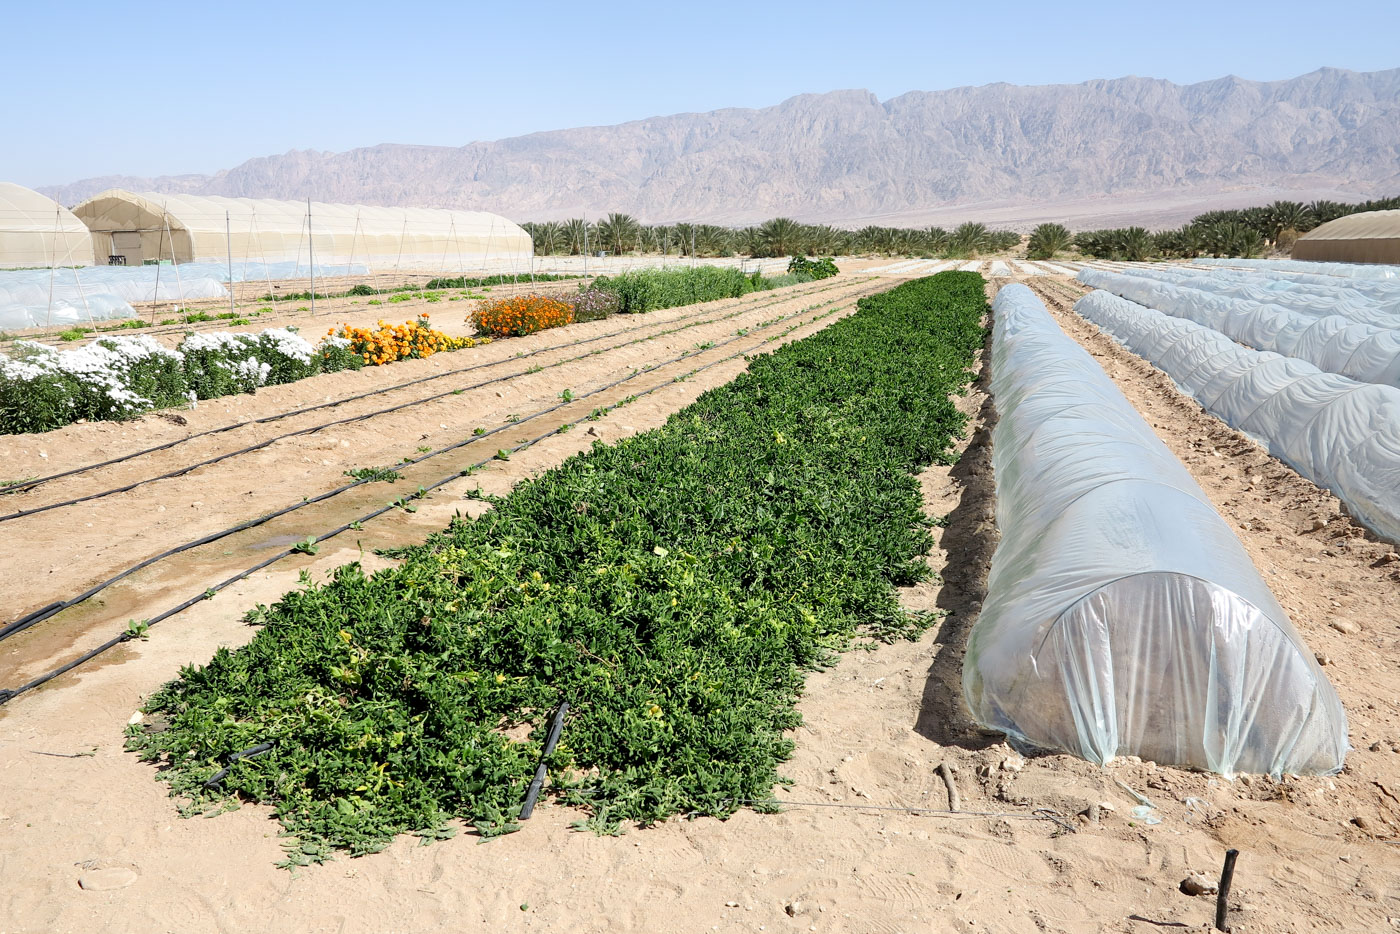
(248, 753)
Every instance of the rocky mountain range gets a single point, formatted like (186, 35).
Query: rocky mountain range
(1108, 151)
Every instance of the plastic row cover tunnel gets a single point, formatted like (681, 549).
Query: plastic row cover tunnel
(1340, 270)
(1339, 433)
(1365, 352)
(1372, 303)
(1122, 615)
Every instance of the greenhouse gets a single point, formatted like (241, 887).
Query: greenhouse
(131, 229)
(1369, 237)
(1341, 434)
(1123, 616)
(38, 231)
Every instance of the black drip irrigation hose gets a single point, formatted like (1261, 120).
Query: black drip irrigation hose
(35, 617)
(556, 726)
(32, 484)
(7, 695)
(218, 777)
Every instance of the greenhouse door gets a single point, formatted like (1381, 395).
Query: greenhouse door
(127, 243)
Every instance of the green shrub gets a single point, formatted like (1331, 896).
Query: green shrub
(650, 289)
(815, 268)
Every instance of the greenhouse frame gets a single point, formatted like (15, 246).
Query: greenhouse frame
(130, 229)
(1368, 237)
(36, 231)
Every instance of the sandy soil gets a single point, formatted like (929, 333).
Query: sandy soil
(57, 554)
(452, 305)
(1046, 844)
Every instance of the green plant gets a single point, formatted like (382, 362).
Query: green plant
(674, 588)
(74, 334)
(812, 268)
(307, 546)
(374, 474)
(1047, 240)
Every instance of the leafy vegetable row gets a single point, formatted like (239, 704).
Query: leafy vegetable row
(673, 588)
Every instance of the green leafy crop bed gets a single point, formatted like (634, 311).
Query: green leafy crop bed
(673, 588)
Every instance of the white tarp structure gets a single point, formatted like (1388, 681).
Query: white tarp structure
(1374, 302)
(1122, 616)
(1344, 270)
(38, 231)
(195, 228)
(1339, 433)
(46, 297)
(1337, 344)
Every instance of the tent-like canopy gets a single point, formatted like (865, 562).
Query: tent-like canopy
(196, 228)
(1370, 237)
(38, 231)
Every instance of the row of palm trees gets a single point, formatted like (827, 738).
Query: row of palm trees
(1245, 232)
(782, 236)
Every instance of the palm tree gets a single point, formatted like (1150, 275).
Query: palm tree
(617, 233)
(781, 236)
(1135, 244)
(1047, 240)
(969, 238)
(1288, 215)
(748, 240)
(549, 237)
(685, 238)
(936, 239)
(578, 233)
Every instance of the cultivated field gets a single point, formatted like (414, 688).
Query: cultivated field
(867, 836)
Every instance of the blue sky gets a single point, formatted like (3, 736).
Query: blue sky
(156, 88)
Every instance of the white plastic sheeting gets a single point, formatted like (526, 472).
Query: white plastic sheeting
(37, 231)
(1370, 302)
(195, 228)
(43, 297)
(1122, 616)
(999, 268)
(1333, 343)
(1344, 270)
(1339, 433)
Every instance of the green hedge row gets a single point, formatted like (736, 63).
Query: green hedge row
(673, 588)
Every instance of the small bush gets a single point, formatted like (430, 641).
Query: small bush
(392, 342)
(815, 268)
(521, 315)
(594, 305)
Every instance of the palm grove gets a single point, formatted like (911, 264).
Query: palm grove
(1244, 232)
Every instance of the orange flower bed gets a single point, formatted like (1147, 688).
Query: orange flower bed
(410, 340)
(521, 315)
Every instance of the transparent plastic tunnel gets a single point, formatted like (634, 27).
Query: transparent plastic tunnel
(1122, 615)
(1365, 352)
(1341, 434)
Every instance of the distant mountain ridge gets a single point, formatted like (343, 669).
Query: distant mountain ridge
(1142, 148)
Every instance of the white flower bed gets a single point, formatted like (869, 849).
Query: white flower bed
(42, 388)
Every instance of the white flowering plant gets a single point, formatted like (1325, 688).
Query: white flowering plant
(42, 388)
